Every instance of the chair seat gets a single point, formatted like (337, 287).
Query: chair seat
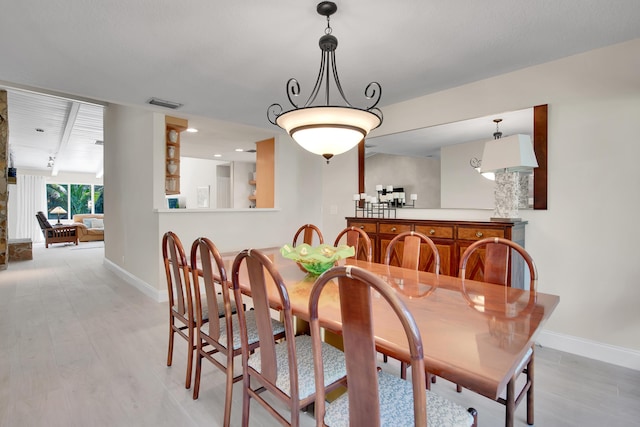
(332, 360)
(396, 407)
(252, 329)
(205, 309)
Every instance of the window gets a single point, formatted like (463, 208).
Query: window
(57, 195)
(75, 199)
(98, 199)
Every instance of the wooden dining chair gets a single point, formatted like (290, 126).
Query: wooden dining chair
(220, 335)
(374, 397)
(282, 369)
(495, 267)
(181, 299)
(307, 232)
(357, 238)
(181, 312)
(405, 250)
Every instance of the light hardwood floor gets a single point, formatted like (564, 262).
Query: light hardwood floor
(79, 347)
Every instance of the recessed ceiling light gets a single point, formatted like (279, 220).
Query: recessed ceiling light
(192, 130)
(239, 149)
(217, 155)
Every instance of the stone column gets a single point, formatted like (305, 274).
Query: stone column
(4, 185)
(507, 195)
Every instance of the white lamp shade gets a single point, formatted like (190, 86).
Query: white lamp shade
(328, 130)
(512, 153)
(58, 210)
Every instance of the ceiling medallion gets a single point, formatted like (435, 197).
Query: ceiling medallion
(327, 129)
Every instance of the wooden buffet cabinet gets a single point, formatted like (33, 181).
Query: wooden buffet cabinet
(451, 238)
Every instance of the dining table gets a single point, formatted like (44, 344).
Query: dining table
(474, 334)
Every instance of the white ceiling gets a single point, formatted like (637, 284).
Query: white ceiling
(230, 61)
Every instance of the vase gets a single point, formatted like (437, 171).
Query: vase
(171, 184)
(171, 152)
(173, 136)
(172, 168)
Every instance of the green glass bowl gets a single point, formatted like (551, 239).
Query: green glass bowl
(316, 268)
(316, 260)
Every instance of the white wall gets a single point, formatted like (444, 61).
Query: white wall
(419, 175)
(133, 187)
(461, 185)
(584, 245)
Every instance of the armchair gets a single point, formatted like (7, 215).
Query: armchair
(61, 234)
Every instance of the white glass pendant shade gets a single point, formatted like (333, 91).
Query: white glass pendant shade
(328, 130)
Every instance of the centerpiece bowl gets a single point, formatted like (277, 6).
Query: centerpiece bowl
(316, 260)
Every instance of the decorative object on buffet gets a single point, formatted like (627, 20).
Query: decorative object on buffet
(327, 129)
(507, 157)
(384, 204)
(316, 260)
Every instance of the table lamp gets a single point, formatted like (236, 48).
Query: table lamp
(507, 157)
(58, 210)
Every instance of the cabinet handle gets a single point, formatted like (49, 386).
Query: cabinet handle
(479, 234)
(432, 231)
(362, 227)
(393, 229)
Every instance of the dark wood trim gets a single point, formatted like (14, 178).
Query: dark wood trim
(540, 147)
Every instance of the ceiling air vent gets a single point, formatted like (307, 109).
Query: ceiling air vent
(98, 142)
(165, 104)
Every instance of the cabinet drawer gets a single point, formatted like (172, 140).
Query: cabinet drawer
(435, 231)
(477, 233)
(367, 227)
(394, 228)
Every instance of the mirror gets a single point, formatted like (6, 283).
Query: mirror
(430, 153)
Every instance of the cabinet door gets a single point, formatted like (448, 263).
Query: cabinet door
(475, 264)
(370, 228)
(446, 251)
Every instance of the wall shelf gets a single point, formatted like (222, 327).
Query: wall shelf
(173, 127)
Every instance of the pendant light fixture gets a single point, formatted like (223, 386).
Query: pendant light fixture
(327, 129)
(513, 153)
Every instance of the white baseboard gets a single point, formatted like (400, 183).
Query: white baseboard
(141, 285)
(615, 355)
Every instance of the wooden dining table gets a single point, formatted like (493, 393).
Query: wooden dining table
(474, 334)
